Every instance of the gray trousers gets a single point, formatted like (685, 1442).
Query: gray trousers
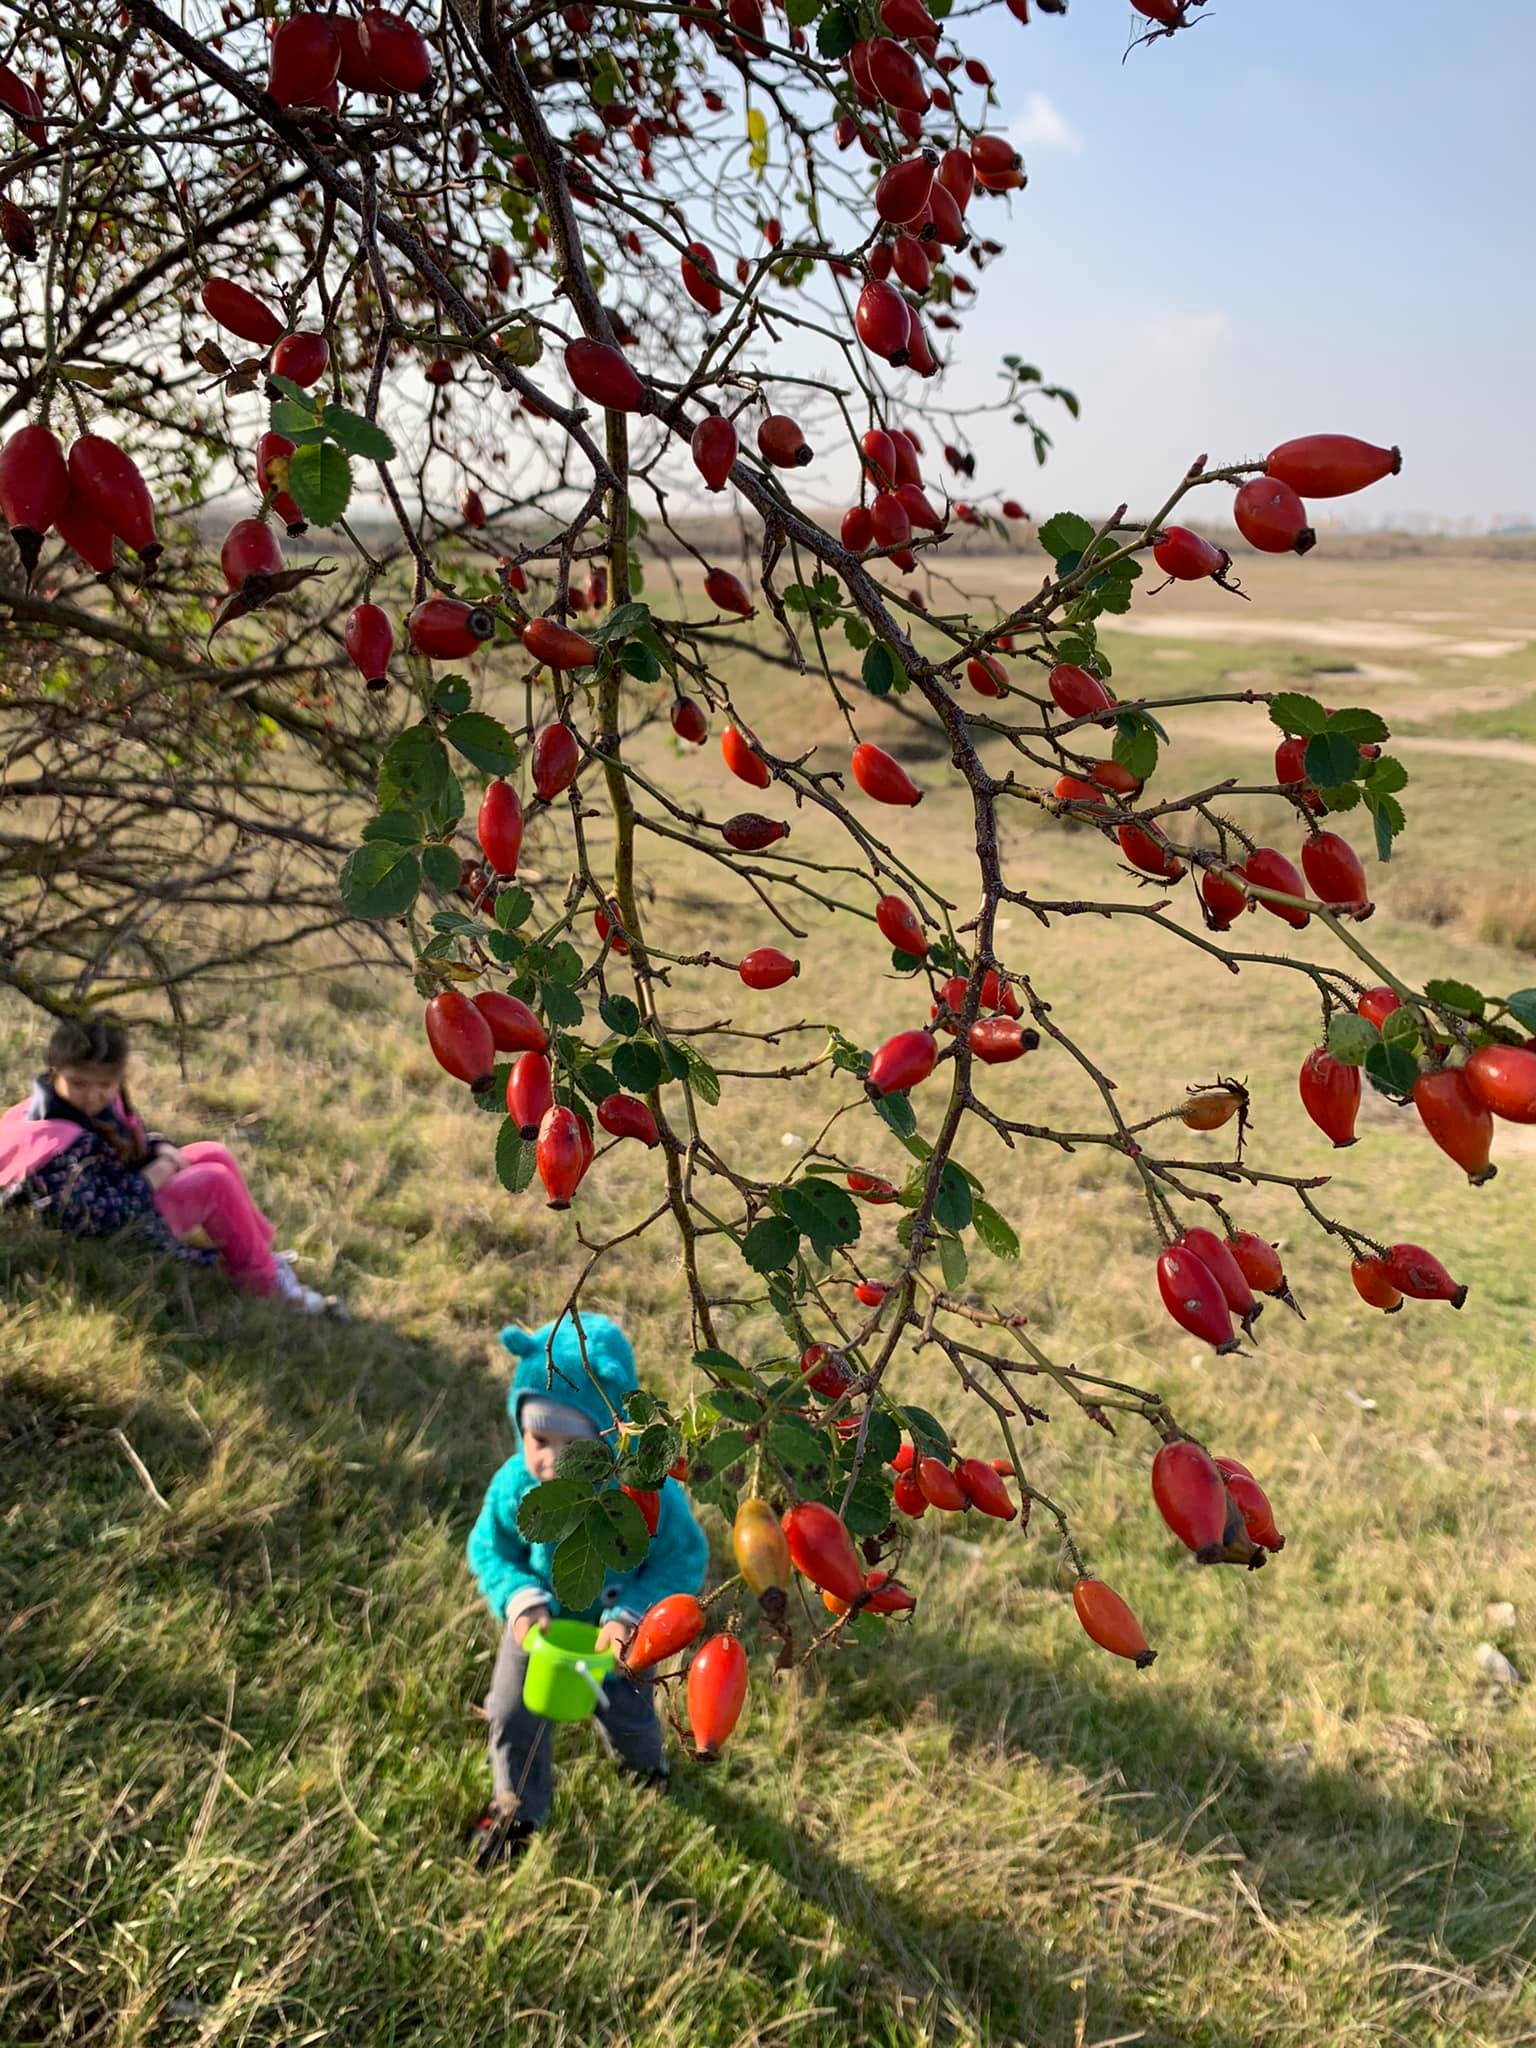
(522, 1762)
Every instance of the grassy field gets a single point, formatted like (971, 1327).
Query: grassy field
(239, 1715)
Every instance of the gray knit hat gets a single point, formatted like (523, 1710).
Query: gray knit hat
(537, 1412)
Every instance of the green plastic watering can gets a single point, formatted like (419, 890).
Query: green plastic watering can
(564, 1679)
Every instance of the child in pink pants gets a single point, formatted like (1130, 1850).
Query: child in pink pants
(76, 1153)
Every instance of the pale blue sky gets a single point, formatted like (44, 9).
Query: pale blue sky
(1303, 215)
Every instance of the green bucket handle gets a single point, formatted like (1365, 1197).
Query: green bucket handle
(564, 1677)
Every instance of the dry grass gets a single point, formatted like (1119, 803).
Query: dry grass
(239, 1734)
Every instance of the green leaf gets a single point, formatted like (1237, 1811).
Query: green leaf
(953, 1263)
(619, 1531)
(587, 1458)
(804, 1453)
(879, 670)
(561, 1005)
(650, 1456)
(709, 1461)
(594, 1080)
(513, 908)
(579, 1566)
(1401, 1028)
(1385, 775)
(357, 435)
(623, 621)
(482, 740)
(1344, 798)
(451, 695)
(642, 1407)
(770, 1244)
(620, 1014)
(927, 1433)
(515, 1158)
(545, 1514)
(520, 344)
(506, 947)
(735, 1404)
(1331, 758)
(1350, 1039)
(1457, 995)
(1298, 715)
(380, 880)
(1392, 1068)
(1135, 745)
(1066, 533)
(414, 771)
(881, 1442)
(856, 633)
(294, 419)
(564, 964)
(320, 482)
(637, 660)
(802, 12)
(953, 1207)
(897, 1112)
(701, 1075)
(1522, 1007)
(869, 1505)
(1390, 820)
(836, 33)
(441, 865)
(723, 1363)
(1365, 728)
(994, 1231)
(637, 1066)
(825, 1213)
(400, 826)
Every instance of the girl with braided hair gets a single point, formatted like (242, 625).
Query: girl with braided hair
(78, 1156)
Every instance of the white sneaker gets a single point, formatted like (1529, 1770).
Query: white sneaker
(296, 1294)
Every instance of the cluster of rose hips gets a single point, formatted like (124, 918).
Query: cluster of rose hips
(92, 499)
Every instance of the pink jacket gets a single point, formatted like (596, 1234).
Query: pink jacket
(28, 1142)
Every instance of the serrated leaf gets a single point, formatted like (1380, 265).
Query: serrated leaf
(836, 33)
(804, 1453)
(649, 1457)
(869, 1505)
(359, 436)
(954, 1205)
(770, 1244)
(513, 908)
(482, 740)
(1389, 819)
(1135, 745)
(1522, 1007)
(400, 826)
(545, 1514)
(953, 1263)
(621, 622)
(594, 1081)
(520, 344)
(620, 1014)
(451, 695)
(637, 660)
(296, 422)
(857, 633)
(1350, 1039)
(823, 1212)
(515, 1158)
(1330, 758)
(926, 1431)
(1344, 798)
(380, 879)
(564, 963)
(726, 1363)
(897, 1112)
(578, 1567)
(709, 1460)
(506, 947)
(414, 771)
(735, 1404)
(1385, 775)
(994, 1230)
(636, 1066)
(1065, 533)
(1457, 995)
(802, 12)
(701, 1075)
(1401, 1027)
(585, 1458)
(441, 866)
(1297, 714)
(561, 1005)
(320, 482)
(878, 670)
(1392, 1068)
(619, 1530)
(1355, 723)
(882, 1439)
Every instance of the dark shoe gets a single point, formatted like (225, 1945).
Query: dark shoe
(497, 1838)
(656, 1781)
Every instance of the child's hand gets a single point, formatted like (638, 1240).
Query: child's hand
(531, 1617)
(166, 1163)
(615, 1635)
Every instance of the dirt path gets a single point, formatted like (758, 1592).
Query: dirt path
(1237, 728)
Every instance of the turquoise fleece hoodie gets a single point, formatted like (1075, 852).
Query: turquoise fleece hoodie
(515, 1574)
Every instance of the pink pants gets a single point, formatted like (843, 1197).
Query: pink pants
(210, 1194)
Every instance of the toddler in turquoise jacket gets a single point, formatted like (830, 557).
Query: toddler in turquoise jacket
(556, 1397)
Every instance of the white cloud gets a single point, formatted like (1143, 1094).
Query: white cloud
(1042, 125)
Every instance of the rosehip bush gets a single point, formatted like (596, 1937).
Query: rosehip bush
(457, 264)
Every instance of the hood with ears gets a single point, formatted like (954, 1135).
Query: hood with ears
(586, 1363)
